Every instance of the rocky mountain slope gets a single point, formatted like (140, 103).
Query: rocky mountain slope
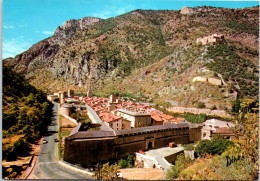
(152, 55)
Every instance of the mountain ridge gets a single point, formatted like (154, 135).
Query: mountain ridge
(109, 52)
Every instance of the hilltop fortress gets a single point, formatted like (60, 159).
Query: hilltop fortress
(215, 38)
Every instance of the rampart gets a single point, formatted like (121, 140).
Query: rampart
(91, 147)
(192, 110)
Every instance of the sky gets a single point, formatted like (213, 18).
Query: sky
(26, 22)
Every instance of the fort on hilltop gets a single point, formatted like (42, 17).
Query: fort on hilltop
(214, 38)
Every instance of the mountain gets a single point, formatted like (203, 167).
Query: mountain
(151, 55)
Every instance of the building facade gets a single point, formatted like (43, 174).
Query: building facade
(138, 119)
(91, 147)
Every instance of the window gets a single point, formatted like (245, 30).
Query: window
(204, 135)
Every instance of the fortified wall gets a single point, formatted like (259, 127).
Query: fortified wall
(193, 110)
(91, 147)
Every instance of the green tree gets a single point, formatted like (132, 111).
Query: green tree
(181, 163)
(214, 146)
(201, 105)
(122, 163)
(236, 106)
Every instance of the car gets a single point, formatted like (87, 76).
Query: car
(44, 141)
(56, 140)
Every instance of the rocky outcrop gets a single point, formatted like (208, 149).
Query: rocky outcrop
(187, 11)
(70, 27)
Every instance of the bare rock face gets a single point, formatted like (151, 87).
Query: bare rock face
(70, 27)
(87, 21)
(186, 10)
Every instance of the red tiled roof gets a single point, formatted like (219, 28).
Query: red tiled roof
(118, 106)
(178, 119)
(110, 119)
(165, 116)
(157, 118)
(224, 131)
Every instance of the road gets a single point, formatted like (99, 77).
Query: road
(47, 166)
(165, 165)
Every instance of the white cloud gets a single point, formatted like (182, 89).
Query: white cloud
(14, 47)
(8, 27)
(47, 32)
(104, 14)
(113, 11)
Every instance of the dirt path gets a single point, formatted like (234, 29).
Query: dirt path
(141, 174)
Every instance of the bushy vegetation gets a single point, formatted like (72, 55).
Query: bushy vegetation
(181, 163)
(106, 171)
(26, 112)
(126, 163)
(213, 146)
(236, 106)
(244, 151)
(193, 118)
(242, 27)
(228, 63)
(189, 146)
(83, 118)
(215, 168)
(201, 105)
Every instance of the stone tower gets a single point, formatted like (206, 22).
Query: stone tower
(89, 91)
(61, 97)
(70, 93)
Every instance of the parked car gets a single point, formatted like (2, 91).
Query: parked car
(56, 140)
(45, 141)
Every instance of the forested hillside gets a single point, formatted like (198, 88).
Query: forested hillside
(26, 114)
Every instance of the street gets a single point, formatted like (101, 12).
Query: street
(47, 166)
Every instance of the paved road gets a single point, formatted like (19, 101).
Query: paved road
(47, 166)
(165, 165)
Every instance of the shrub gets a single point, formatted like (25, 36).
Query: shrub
(181, 163)
(214, 146)
(213, 107)
(126, 163)
(201, 105)
(236, 106)
(188, 146)
(122, 163)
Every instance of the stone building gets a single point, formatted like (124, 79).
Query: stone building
(138, 119)
(52, 97)
(226, 133)
(118, 123)
(65, 109)
(213, 81)
(214, 38)
(210, 126)
(91, 147)
(113, 101)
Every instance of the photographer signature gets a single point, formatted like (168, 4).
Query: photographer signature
(233, 159)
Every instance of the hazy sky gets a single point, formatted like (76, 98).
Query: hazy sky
(26, 22)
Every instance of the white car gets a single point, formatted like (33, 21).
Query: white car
(45, 141)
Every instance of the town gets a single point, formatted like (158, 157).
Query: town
(130, 128)
(130, 90)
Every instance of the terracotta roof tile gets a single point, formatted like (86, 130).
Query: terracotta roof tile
(165, 116)
(157, 118)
